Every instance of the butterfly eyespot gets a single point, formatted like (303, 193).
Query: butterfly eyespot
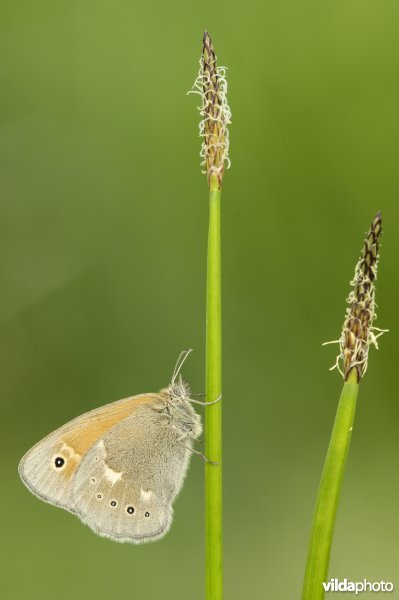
(113, 503)
(130, 510)
(99, 496)
(147, 514)
(59, 462)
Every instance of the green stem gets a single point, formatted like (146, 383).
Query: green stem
(213, 421)
(316, 571)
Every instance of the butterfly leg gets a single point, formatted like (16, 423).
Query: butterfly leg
(210, 462)
(184, 436)
(218, 399)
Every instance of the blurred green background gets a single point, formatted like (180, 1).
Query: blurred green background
(102, 250)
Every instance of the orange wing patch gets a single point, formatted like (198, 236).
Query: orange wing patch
(84, 431)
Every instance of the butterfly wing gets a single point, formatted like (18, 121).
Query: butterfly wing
(125, 485)
(48, 468)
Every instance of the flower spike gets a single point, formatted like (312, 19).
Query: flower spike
(211, 85)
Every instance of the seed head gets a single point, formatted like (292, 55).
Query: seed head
(358, 332)
(211, 85)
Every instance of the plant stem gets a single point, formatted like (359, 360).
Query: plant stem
(316, 571)
(211, 85)
(213, 422)
(358, 334)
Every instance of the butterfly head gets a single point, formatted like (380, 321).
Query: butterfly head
(185, 420)
(177, 399)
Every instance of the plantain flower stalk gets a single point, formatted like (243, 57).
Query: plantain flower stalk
(358, 334)
(211, 85)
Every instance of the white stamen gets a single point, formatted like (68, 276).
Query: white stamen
(203, 81)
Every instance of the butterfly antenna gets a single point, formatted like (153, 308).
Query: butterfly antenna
(180, 361)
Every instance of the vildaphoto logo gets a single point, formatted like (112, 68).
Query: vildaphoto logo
(357, 587)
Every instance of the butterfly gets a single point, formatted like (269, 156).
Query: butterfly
(120, 467)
